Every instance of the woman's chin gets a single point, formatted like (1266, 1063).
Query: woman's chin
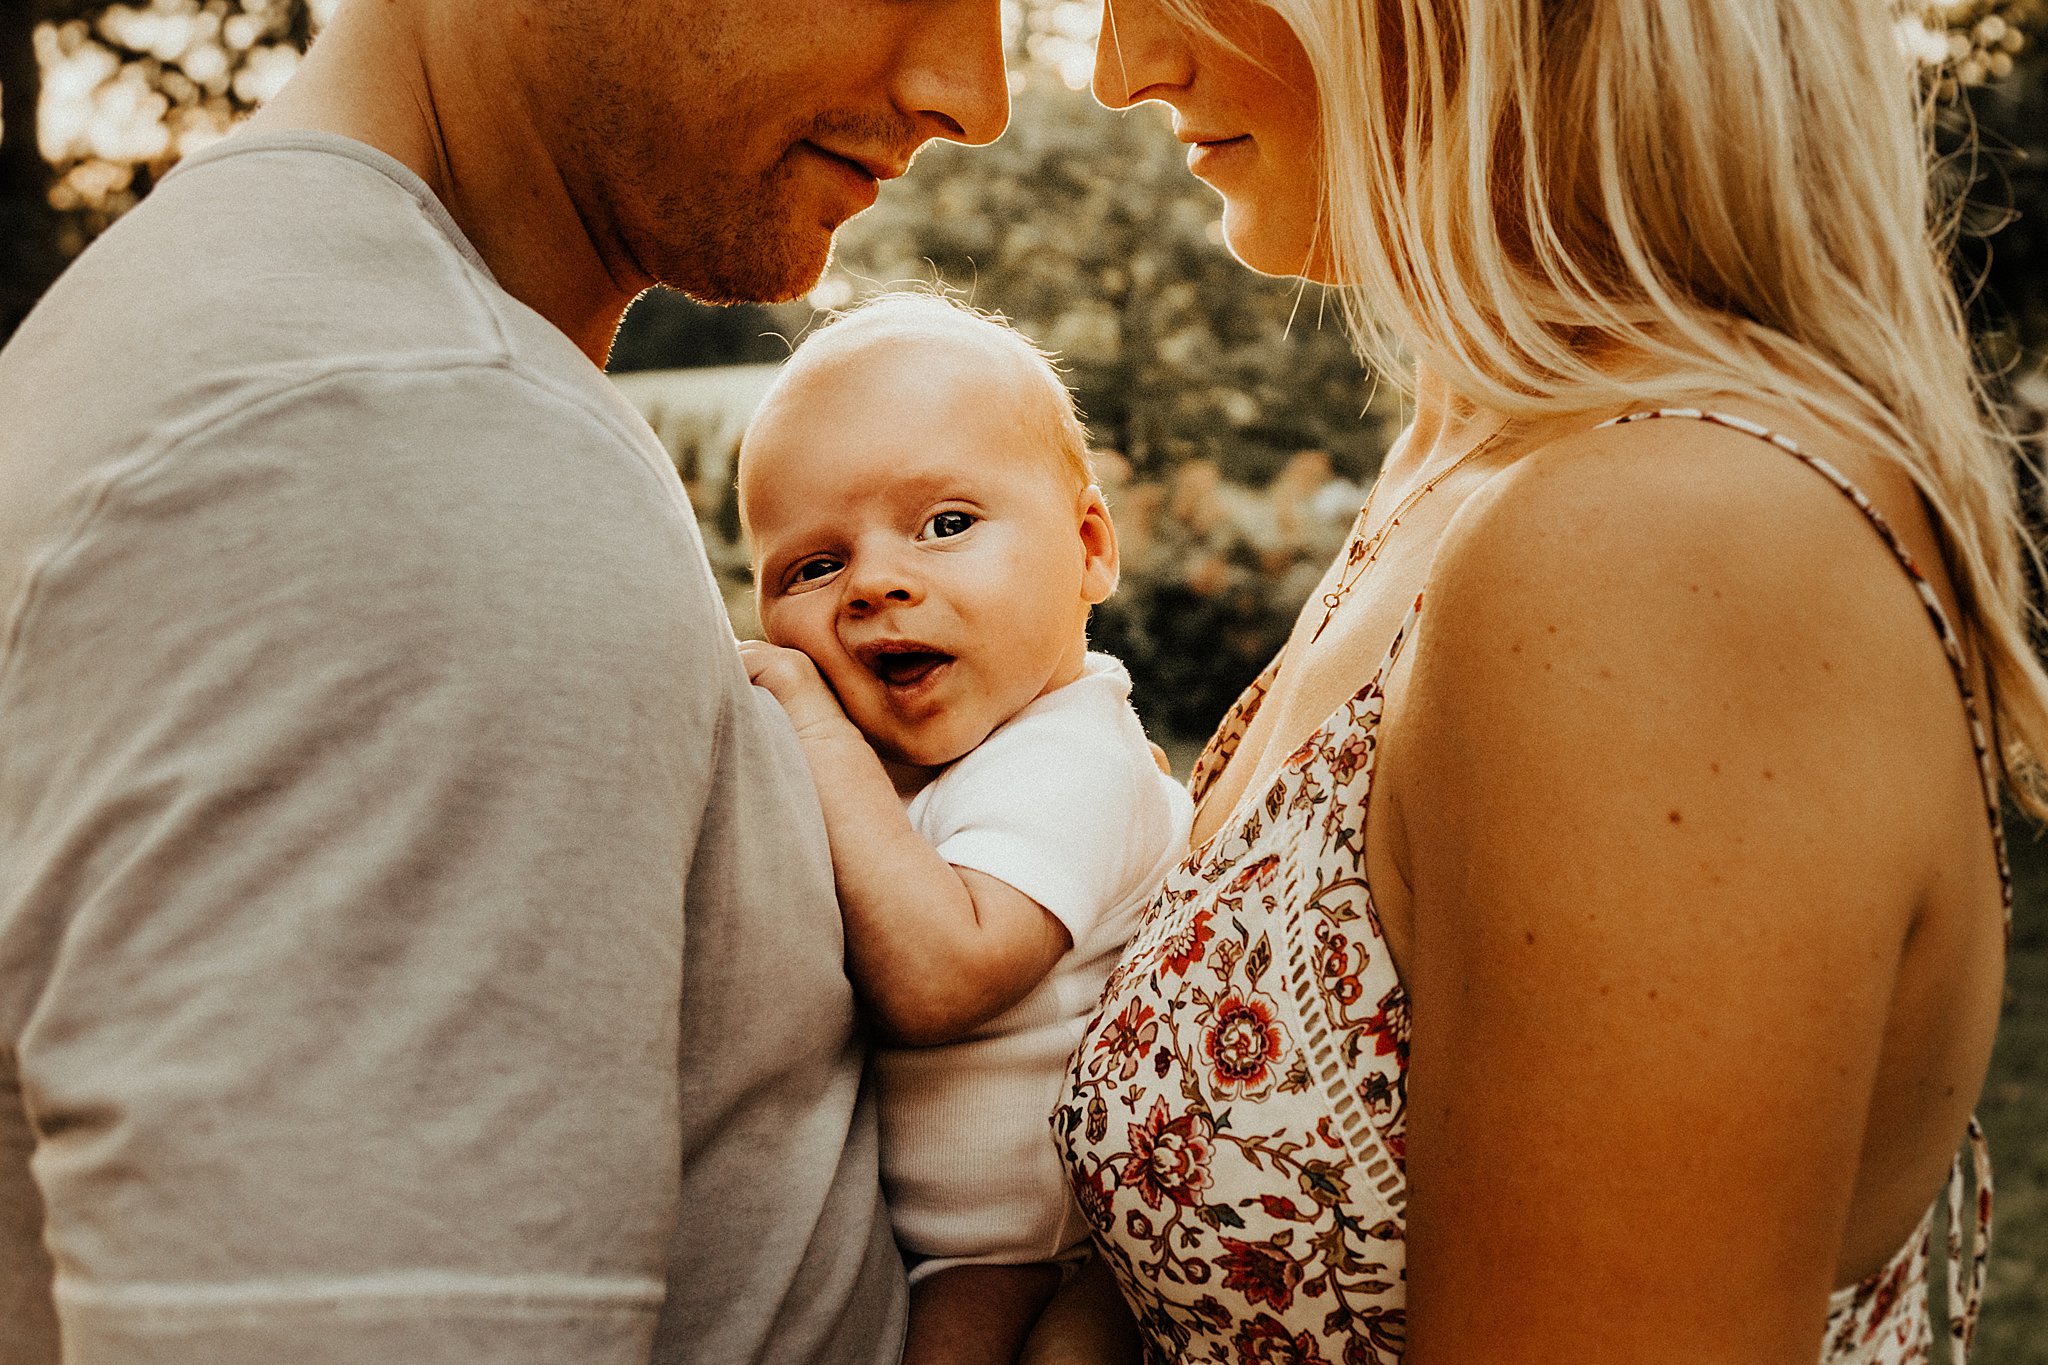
(1266, 254)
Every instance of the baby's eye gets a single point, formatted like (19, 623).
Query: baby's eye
(946, 524)
(812, 569)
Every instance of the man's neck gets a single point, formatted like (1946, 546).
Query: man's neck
(389, 76)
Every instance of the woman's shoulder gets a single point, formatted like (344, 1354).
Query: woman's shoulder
(1688, 523)
(1677, 621)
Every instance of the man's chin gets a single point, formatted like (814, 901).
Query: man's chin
(775, 270)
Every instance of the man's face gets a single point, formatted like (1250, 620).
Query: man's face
(715, 145)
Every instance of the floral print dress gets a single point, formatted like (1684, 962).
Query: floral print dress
(1234, 1123)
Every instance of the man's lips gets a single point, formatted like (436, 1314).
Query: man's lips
(874, 165)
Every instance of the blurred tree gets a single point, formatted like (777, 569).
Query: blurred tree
(1988, 60)
(100, 99)
(31, 252)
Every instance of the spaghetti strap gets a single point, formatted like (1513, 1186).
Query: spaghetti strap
(1966, 1286)
(1965, 1271)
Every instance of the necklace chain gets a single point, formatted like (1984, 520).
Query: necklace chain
(1360, 554)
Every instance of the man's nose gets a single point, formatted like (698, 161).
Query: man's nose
(951, 79)
(1141, 53)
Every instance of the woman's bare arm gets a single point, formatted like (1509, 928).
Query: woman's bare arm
(1656, 777)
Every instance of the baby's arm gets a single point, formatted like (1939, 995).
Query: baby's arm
(934, 949)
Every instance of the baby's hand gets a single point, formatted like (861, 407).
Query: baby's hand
(793, 680)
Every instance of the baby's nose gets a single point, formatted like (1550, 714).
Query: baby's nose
(868, 599)
(879, 579)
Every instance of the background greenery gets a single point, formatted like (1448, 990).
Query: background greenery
(1237, 432)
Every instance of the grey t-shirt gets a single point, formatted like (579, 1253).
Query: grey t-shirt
(417, 939)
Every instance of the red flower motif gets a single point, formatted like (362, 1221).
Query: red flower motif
(1352, 755)
(1261, 1272)
(1280, 1206)
(1129, 1037)
(1092, 1195)
(1265, 1340)
(1253, 876)
(1169, 1158)
(1389, 1027)
(1242, 1042)
(1333, 964)
(1185, 948)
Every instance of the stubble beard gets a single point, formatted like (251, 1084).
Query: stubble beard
(741, 245)
(726, 243)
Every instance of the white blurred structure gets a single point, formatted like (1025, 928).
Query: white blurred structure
(699, 415)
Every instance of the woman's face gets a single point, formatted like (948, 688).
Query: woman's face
(1248, 116)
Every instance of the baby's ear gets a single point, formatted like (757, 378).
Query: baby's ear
(1098, 545)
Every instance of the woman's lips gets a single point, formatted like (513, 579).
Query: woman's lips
(1218, 153)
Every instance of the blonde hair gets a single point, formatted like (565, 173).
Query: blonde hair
(901, 317)
(1517, 191)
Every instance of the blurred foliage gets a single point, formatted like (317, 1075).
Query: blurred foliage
(1988, 65)
(1087, 231)
(128, 89)
(101, 99)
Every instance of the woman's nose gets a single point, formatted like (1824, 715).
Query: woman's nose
(1142, 53)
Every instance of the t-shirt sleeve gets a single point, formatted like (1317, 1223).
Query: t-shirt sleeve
(1066, 811)
(355, 746)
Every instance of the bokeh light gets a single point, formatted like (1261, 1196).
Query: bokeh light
(129, 91)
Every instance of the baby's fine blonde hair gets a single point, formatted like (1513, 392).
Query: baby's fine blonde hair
(1516, 192)
(923, 317)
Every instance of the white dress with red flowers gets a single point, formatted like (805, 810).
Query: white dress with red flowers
(1234, 1120)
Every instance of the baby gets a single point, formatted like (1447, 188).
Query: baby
(927, 542)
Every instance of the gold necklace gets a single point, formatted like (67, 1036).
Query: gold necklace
(1362, 553)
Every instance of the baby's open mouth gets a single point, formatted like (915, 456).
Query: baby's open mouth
(906, 667)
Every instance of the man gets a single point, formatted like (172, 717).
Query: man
(417, 940)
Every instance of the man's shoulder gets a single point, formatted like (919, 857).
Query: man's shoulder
(307, 294)
(270, 259)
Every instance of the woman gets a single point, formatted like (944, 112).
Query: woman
(1593, 941)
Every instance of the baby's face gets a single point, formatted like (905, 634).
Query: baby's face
(912, 538)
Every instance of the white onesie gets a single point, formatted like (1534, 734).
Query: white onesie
(1064, 803)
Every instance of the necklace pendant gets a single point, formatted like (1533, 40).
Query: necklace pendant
(1331, 601)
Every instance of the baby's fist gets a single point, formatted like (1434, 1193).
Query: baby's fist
(794, 681)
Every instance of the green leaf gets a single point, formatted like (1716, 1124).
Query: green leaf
(1221, 1215)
